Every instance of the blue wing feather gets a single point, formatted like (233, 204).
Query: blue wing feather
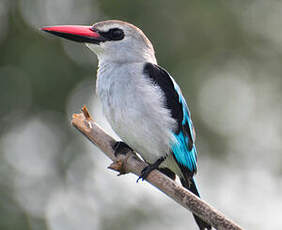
(183, 148)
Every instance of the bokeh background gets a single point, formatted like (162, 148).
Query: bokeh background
(227, 58)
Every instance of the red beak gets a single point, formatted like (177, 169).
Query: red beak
(75, 33)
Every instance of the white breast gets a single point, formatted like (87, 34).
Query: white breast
(134, 108)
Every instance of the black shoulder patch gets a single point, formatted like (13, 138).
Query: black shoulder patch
(175, 102)
(161, 77)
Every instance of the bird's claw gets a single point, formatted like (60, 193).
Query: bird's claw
(148, 169)
(145, 172)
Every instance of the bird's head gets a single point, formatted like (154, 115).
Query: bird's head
(112, 41)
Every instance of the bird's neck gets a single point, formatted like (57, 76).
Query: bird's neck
(105, 67)
(112, 73)
(126, 58)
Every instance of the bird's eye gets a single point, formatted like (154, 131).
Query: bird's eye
(116, 34)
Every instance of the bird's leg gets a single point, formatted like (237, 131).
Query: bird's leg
(121, 147)
(146, 171)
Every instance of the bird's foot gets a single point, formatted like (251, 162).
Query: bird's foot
(121, 148)
(146, 171)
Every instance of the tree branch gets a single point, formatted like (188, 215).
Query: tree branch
(130, 163)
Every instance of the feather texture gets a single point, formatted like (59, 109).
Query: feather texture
(183, 148)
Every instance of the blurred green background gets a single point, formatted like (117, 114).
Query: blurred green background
(226, 56)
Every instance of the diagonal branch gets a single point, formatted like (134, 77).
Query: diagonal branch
(130, 163)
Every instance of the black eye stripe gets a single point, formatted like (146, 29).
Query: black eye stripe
(113, 34)
(117, 34)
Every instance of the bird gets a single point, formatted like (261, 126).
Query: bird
(142, 102)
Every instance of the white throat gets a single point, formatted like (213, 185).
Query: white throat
(122, 55)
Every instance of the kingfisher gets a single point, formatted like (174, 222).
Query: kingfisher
(142, 102)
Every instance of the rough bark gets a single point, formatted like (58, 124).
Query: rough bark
(130, 163)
